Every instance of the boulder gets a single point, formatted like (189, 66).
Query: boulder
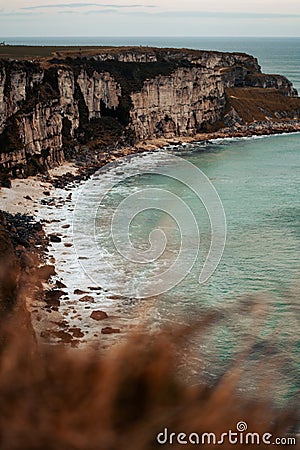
(98, 315)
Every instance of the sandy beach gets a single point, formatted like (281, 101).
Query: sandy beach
(71, 322)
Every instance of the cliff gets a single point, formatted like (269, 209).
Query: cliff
(88, 102)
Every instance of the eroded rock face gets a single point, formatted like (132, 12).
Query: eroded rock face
(271, 81)
(124, 96)
(13, 162)
(15, 82)
(100, 88)
(68, 107)
(41, 133)
(39, 129)
(215, 60)
(177, 105)
(17, 93)
(3, 106)
(127, 56)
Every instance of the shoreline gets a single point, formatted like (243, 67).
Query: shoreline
(247, 131)
(263, 129)
(68, 318)
(150, 145)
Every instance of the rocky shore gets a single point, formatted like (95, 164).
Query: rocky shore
(89, 163)
(41, 239)
(39, 225)
(65, 115)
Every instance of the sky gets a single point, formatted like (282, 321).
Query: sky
(149, 18)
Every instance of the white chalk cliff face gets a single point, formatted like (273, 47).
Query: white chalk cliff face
(177, 105)
(42, 128)
(14, 83)
(68, 107)
(41, 133)
(156, 93)
(3, 106)
(100, 87)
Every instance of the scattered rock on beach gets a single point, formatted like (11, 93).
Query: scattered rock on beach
(55, 293)
(54, 238)
(48, 202)
(52, 297)
(91, 288)
(110, 330)
(64, 336)
(98, 315)
(79, 292)
(87, 298)
(5, 180)
(114, 297)
(60, 285)
(37, 226)
(77, 333)
(45, 272)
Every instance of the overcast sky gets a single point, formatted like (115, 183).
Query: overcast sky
(150, 18)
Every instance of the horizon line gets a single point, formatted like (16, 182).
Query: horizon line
(147, 36)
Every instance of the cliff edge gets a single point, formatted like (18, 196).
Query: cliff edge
(91, 101)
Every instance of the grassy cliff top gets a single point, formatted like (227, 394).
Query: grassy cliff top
(37, 52)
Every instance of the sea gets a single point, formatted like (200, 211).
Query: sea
(254, 290)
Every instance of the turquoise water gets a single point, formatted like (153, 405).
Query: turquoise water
(255, 288)
(258, 183)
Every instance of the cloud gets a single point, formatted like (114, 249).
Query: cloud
(100, 11)
(84, 5)
(217, 15)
